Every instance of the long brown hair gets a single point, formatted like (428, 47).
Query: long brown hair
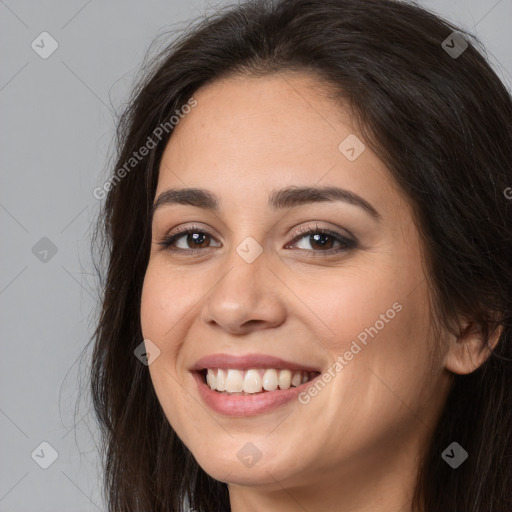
(442, 123)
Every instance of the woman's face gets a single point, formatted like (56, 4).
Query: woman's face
(275, 283)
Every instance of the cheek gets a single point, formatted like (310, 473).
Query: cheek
(167, 300)
(164, 321)
(385, 366)
(353, 304)
(377, 321)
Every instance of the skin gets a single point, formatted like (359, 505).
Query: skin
(355, 445)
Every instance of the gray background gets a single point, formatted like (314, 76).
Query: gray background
(57, 124)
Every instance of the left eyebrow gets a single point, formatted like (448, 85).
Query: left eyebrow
(288, 197)
(295, 196)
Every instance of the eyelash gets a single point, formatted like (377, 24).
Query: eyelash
(345, 242)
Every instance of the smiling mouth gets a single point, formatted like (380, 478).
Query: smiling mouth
(254, 380)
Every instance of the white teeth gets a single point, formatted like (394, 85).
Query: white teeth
(254, 380)
(285, 379)
(296, 379)
(234, 381)
(221, 380)
(270, 380)
(211, 380)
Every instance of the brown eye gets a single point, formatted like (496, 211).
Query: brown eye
(322, 240)
(316, 240)
(187, 240)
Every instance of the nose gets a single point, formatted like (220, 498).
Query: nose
(247, 297)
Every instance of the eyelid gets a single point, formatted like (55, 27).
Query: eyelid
(307, 230)
(347, 241)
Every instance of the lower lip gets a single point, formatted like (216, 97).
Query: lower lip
(246, 405)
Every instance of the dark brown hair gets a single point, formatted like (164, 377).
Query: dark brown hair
(442, 125)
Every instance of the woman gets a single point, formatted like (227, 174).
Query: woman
(308, 296)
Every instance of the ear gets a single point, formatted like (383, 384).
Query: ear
(467, 352)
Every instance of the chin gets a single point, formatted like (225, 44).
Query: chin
(241, 461)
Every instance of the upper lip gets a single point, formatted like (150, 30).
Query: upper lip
(248, 361)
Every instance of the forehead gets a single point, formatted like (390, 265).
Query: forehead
(250, 135)
(274, 114)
